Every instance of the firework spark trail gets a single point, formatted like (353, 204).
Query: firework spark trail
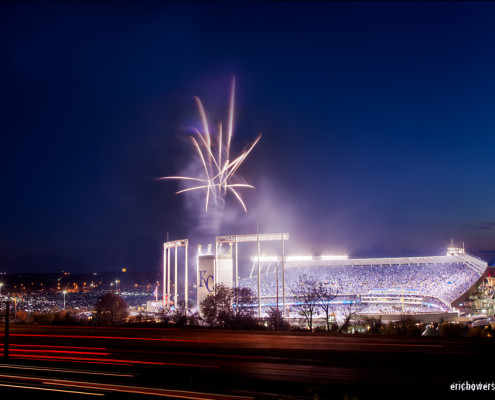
(218, 175)
(237, 163)
(206, 186)
(231, 118)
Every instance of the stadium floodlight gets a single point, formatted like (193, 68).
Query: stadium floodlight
(167, 248)
(253, 237)
(175, 243)
(299, 258)
(258, 238)
(454, 251)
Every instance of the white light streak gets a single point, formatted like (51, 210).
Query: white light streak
(50, 390)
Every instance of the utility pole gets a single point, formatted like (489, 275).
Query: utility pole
(259, 272)
(7, 329)
(276, 285)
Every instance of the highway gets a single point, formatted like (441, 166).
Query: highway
(206, 364)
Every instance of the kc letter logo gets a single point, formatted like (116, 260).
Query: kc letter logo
(206, 280)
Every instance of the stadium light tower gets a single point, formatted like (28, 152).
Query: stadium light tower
(257, 237)
(167, 248)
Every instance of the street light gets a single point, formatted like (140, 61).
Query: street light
(64, 292)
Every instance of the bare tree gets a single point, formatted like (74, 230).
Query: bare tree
(325, 295)
(306, 296)
(349, 311)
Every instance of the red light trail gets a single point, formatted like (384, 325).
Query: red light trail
(111, 337)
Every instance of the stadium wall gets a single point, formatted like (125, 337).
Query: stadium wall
(472, 289)
(419, 317)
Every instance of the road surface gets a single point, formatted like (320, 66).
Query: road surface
(135, 363)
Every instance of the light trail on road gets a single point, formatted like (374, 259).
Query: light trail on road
(110, 337)
(109, 356)
(49, 389)
(109, 387)
(58, 347)
(250, 363)
(79, 361)
(65, 370)
(14, 351)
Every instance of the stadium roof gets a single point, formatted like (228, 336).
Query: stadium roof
(475, 263)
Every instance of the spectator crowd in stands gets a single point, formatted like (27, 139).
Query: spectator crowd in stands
(436, 285)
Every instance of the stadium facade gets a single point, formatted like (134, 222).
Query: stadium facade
(378, 285)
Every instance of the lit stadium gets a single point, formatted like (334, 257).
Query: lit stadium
(413, 285)
(378, 285)
(435, 284)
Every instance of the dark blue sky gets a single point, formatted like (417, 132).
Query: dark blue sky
(377, 120)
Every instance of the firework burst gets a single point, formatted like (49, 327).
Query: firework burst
(218, 168)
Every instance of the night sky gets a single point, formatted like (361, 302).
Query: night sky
(377, 121)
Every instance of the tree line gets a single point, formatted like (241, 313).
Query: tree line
(236, 308)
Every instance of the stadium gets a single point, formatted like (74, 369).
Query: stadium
(378, 286)
(435, 284)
